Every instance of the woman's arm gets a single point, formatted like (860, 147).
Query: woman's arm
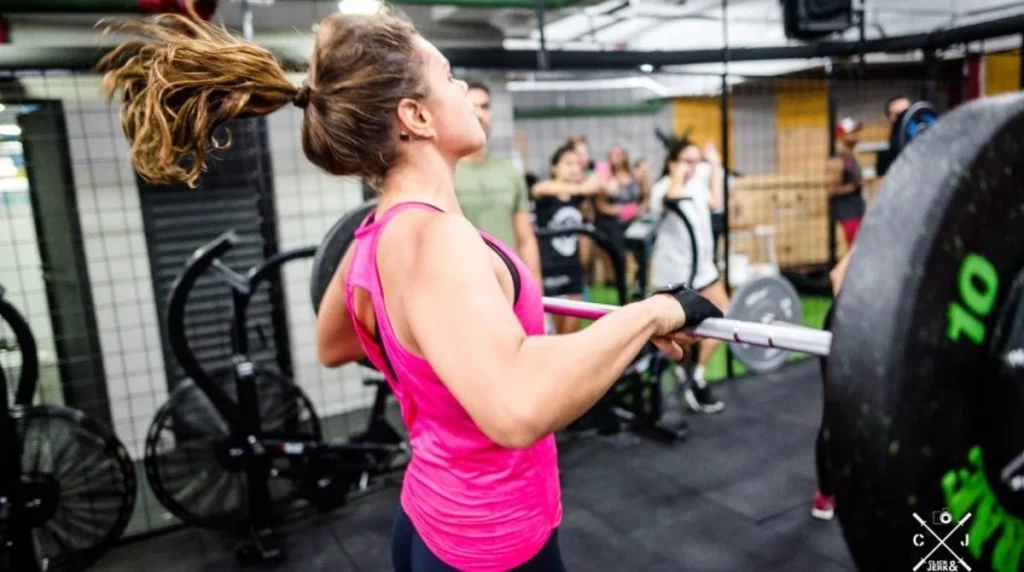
(645, 193)
(552, 187)
(717, 186)
(605, 207)
(679, 175)
(834, 178)
(716, 178)
(658, 191)
(336, 340)
(517, 388)
(838, 273)
(602, 202)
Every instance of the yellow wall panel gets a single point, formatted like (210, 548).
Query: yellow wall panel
(801, 104)
(701, 117)
(1002, 73)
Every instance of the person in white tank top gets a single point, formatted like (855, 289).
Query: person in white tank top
(684, 244)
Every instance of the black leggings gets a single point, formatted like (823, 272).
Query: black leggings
(821, 457)
(410, 554)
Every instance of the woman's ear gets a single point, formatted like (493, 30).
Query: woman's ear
(414, 120)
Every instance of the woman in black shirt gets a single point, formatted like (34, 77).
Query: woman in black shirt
(556, 206)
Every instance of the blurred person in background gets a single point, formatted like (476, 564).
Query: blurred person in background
(642, 173)
(615, 210)
(580, 144)
(557, 206)
(684, 247)
(844, 181)
(632, 192)
(582, 147)
(492, 193)
(894, 108)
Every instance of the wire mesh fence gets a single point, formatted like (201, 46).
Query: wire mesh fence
(89, 252)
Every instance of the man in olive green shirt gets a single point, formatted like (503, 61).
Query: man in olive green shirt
(493, 195)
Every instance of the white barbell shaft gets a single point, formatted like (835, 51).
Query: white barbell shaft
(786, 337)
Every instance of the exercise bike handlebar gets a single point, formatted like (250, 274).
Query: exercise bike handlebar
(25, 390)
(204, 258)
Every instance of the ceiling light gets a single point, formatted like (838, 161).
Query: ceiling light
(636, 82)
(359, 6)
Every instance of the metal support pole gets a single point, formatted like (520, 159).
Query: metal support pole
(724, 112)
(247, 32)
(931, 80)
(862, 60)
(542, 53)
(832, 112)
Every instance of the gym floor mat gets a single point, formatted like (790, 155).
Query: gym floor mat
(734, 496)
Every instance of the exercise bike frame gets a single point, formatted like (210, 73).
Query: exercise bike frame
(23, 554)
(255, 449)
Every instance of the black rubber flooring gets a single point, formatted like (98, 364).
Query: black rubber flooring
(734, 496)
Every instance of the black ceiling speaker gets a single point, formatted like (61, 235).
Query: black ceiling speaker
(813, 19)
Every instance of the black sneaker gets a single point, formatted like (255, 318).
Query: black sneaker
(700, 399)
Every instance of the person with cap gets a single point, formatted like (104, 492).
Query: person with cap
(845, 201)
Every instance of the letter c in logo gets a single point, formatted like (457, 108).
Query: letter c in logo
(918, 540)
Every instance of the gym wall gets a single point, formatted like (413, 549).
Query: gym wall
(19, 250)
(607, 118)
(116, 258)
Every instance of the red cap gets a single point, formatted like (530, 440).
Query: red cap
(847, 125)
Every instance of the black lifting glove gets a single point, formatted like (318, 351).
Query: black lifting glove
(696, 307)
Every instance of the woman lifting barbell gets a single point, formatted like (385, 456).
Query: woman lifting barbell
(480, 389)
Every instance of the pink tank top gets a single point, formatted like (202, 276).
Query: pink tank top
(477, 505)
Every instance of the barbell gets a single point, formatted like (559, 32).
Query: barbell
(785, 337)
(924, 400)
